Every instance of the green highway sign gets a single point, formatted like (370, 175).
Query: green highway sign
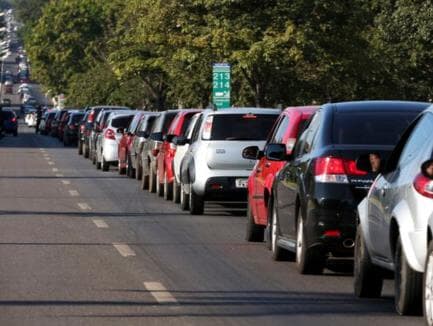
(221, 85)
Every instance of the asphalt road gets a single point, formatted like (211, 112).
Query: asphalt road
(84, 247)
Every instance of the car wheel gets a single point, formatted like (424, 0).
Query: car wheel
(308, 260)
(66, 141)
(255, 233)
(368, 281)
(138, 170)
(93, 157)
(428, 287)
(159, 186)
(15, 133)
(278, 253)
(407, 284)
(130, 171)
(144, 180)
(184, 198)
(152, 180)
(80, 148)
(168, 188)
(122, 170)
(176, 191)
(104, 164)
(85, 151)
(196, 202)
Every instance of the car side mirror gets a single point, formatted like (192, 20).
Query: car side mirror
(250, 152)
(156, 136)
(180, 140)
(169, 138)
(277, 152)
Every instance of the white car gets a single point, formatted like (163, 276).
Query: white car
(30, 118)
(396, 224)
(108, 140)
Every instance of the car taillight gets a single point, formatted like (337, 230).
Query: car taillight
(207, 129)
(155, 152)
(72, 127)
(109, 134)
(423, 185)
(335, 170)
(91, 117)
(14, 120)
(82, 127)
(290, 145)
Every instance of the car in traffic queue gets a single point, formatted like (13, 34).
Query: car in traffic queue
(108, 140)
(126, 140)
(134, 167)
(54, 132)
(213, 169)
(47, 118)
(395, 228)
(152, 147)
(285, 131)
(70, 130)
(81, 131)
(10, 122)
(100, 116)
(164, 159)
(315, 195)
(182, 143)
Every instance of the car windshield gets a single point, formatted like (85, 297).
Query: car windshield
(241, 126)
(370, 128)
(122, 122)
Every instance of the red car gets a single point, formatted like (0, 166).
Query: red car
(285, 131)
(165, 156)
(126, 141)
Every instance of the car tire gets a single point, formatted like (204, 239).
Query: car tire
(428, 287)
(105, 166)
(278, 253)
(85, 151)
(308, 260)
(407, 284)
(184, 198)
(130, 171)
(254, 232)
(138, 170)
(368, 281)
(176, 191)
(196, 202)
(122, 171)
(66, 142)
(152, 180)
(80, 148)
(144, 180)
(168, 188)
(159, 186)
(15, 133)
(93, 157)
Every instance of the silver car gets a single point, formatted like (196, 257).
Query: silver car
(395, 222)
(213, 168)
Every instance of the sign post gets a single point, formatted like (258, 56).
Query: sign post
(221, 85)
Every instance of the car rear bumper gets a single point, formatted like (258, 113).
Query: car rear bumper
(224, 189)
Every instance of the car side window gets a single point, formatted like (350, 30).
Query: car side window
(277, 137)
(417, 140)
(196, 130)
(192, 124)
(306, 144)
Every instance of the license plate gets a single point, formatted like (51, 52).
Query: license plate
(241, 183)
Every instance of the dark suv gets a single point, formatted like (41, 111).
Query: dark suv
(315, 195)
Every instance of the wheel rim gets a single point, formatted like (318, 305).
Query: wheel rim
(299, 240)
(274, 230)
(428, 290)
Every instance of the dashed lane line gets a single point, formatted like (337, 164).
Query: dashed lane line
(101, 224)
(74, 193)
(59, 175)
(124, 250)
(84, 206)
(66, 182)
(51, 163)
(159, 292)
(55, 170)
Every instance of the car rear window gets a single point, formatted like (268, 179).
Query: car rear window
(167, 122)
(370, 128)
(239, 126)
(7, 115)
(76, 118)
(121, 122)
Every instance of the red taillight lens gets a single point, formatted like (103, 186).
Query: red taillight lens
(155, 152)
(91, 117)
(423, 185)
(82, 127)
(14, 120)
(335, 169)
(109, 134)
(207, 129)
(332, 234)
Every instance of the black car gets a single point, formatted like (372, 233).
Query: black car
(70, 131)
(10, 122)
(315, 195)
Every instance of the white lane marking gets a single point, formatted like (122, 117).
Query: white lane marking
(101, 224)
(66, 182)
(55, 170)
(42, 149)
(159, 292)
(74, 193)
(51, 163)
(124, 250)
(47, 158)
(59, 175)
(84, 206)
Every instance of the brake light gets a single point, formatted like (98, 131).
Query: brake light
(249, 116)
(335, 170)
(332, 233)
(14, 119)
(207, 129)
(155, 152)
(109, 134)
(82, 127)
(423, 185)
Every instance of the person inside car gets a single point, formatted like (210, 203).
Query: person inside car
(374, 159)
(427, 169)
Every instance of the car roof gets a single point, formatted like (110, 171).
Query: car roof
(377, 106)
(110, 107)
(245, 110)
